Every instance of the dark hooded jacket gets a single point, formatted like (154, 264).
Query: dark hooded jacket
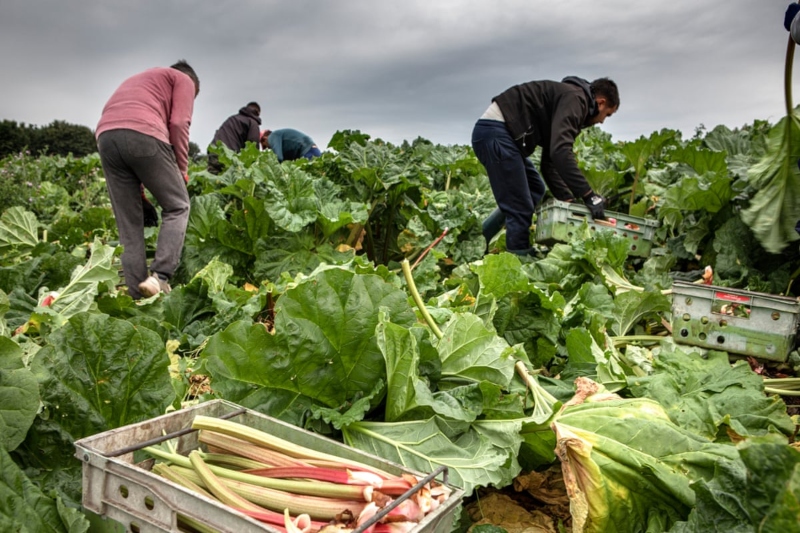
(238, 129)
(551, 114)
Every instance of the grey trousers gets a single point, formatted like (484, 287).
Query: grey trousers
(130, 158)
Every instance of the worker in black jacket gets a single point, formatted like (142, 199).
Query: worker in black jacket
(544, 113)
(235, 132)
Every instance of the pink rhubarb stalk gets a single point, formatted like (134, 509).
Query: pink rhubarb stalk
(342, 477)
(246, 449)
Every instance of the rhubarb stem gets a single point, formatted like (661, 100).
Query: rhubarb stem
(412, 287)
(215, 485)
(312, 488)
(277, 501)
(344, 477)
(173, 475)
(260, 438)
(229, 460)
(233, 445)
(430, 246)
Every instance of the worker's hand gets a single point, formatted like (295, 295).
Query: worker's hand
(186, 178)
(149, 214)
(596, 205)
(791, 12)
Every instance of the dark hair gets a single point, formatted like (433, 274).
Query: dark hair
(604, 87)
(255, 107)
(184, 67)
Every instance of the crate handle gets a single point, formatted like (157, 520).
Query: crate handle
(406, 495)
(169, 436)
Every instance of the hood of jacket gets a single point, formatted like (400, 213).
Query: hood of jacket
(583, 84)
(246, 111)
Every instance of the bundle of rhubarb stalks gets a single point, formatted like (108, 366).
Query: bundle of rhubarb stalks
(293, 488)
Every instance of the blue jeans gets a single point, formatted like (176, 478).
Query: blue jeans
(516, 185)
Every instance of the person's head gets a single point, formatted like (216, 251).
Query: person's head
(606, 95)
(255, 108)
(265, 139)
(184, 67)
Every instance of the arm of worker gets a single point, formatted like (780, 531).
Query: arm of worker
(276, 144)
(254, 134)
(565, 127)
(567, 122)
(557, 187)
(183, 93)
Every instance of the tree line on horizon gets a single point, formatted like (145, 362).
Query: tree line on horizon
(57, 138)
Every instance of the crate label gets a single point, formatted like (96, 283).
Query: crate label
(729, 304)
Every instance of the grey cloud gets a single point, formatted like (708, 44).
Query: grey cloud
(398, 69)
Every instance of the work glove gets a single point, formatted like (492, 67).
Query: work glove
(596, 205)
(791, 12)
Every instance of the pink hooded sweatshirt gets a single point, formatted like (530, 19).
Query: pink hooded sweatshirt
(157, 102)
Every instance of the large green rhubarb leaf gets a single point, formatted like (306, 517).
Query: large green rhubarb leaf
(471, 353)
(97, 373)
(19, 232)
(473, 458)
(24, 508)
(761, 495)
(79, 294)
(500, 274)
(631, 307)
(704, 395)
(324, 349)
(775, 209)
(627, 466)
(408, 396)
(19, 395)
(292, 203)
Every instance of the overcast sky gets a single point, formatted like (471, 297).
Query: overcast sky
(398, 69)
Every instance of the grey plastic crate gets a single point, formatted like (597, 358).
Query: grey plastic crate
(734, 320)
(557, 221)
(116, 487)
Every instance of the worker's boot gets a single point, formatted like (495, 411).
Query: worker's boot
(492, 225)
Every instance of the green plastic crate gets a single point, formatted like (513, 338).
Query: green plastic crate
(117, 487)
(557, 221)
(734, 320)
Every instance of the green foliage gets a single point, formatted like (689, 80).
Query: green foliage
(289, 302)
(324, 344)
(27, 509)
(775, 208)
(760, 494)
(19, 394)
(628, 467)
(706, 395)
(49, 185)
(56, 138)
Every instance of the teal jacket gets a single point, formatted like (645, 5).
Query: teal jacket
(289, 144)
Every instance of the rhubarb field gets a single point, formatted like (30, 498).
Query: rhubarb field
(353, 296)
